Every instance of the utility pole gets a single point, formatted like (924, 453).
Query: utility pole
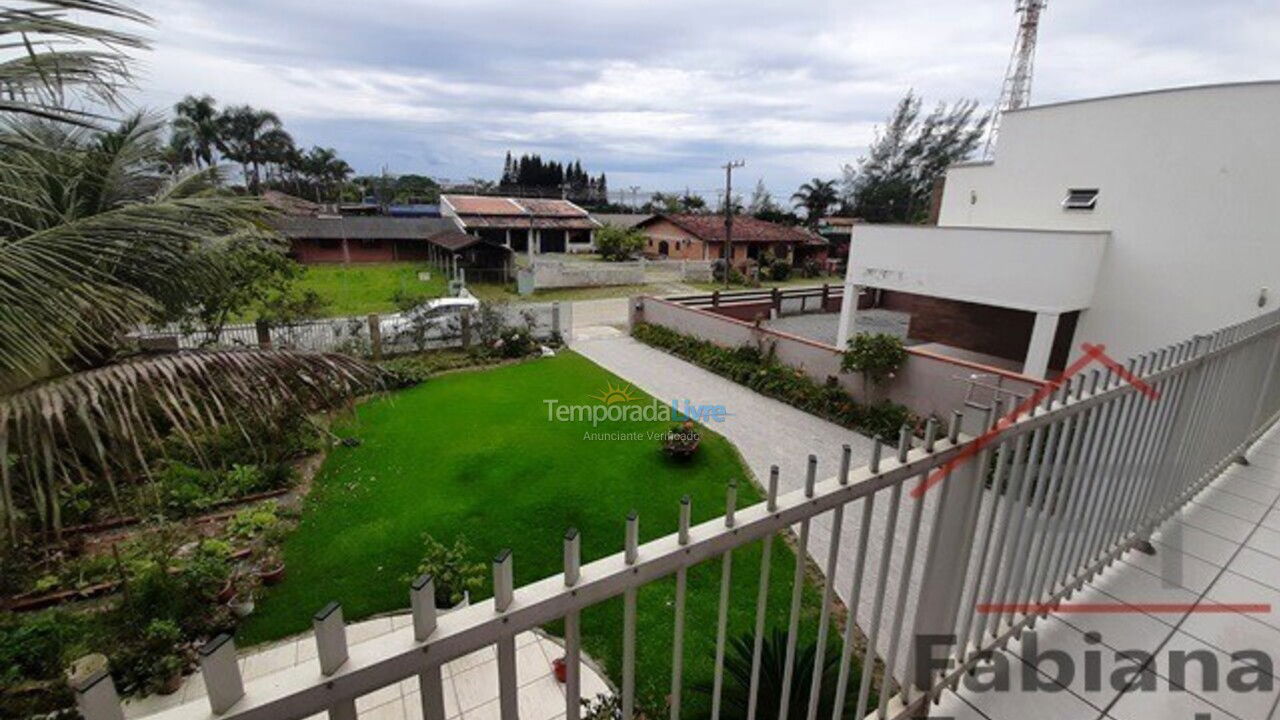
(728, 215)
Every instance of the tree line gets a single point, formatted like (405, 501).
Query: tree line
(530, 174)
(202, 135)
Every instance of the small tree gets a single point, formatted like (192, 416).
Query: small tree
(877, 356)
(617, 244)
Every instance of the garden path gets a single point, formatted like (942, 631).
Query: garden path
(769, 432)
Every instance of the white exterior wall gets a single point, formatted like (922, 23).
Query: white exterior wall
(1039, 271)
(1189, 190)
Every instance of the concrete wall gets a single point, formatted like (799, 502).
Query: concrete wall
(1187, 189)
(927, 383)
(1023, 269)
(552, 274)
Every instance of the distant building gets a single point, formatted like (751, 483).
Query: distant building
(621, 220)
(702, 237)
(522, 224)
(354, 239)
(838, 231)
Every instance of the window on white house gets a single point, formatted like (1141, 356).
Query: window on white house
(1081, 199)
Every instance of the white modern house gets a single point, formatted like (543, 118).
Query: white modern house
(1128, 221)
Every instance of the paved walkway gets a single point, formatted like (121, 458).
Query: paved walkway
(470, 682)
(768, 432)
(1223, 549)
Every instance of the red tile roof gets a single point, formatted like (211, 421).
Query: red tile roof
(710, 228)
(483, 205)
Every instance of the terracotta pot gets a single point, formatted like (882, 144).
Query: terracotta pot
(560, 669)
(273, 575)
(171, 685)
(227, 592)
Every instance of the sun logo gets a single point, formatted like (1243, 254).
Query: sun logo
(613, 394)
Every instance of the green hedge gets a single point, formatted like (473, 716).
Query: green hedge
(763, 373)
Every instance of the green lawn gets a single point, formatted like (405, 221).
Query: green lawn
(474, 453)
(363, 288)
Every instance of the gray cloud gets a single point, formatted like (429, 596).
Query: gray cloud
(658, 93)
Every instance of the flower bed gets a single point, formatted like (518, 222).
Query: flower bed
(761, 372)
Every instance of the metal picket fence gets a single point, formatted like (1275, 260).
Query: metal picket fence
(994, 519)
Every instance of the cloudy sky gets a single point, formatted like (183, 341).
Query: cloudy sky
(658, 93)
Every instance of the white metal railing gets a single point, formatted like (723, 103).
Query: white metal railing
(1029, 506)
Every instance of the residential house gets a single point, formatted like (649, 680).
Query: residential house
(702, 237)
(621, 220)
(530, 225)
(359, 239)
(1130, 221)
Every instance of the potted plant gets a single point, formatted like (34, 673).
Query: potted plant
(167, 674)
(681, 441)
(244, 602)
(271, 567)
(454, 574)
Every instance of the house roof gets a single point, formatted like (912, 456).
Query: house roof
(362, 228)
(480, 211)
(746, 229)
(622, 220)
(455, 240)
(290, 204)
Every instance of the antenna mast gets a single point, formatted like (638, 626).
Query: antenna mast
(1016, 91)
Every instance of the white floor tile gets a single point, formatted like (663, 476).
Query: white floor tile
(1207, 678)
(393, 710)
(541, 699)
(531, 663)
(1257, 566)
(1189, 539)
(1163, 704)
(477, 685)
(1266, 540)
(1231, 504)
(378, 697)
(1245, 485)
(1233, 589)
(1215, 521)
(488, 711)
(1176, 568)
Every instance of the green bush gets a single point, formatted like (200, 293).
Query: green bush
(616, 244)
(452, 570)
(763, 373)
(876, 355)
(780, 270)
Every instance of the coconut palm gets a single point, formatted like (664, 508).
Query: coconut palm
(245, 132)
(816, 197)
(196, 120)
(95, 239)
(46, 52)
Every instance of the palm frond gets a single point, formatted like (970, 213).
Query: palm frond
(77, 285)
(44, 54)
(104, 423)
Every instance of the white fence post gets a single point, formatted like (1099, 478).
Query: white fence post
(331, 649)
(96, 697)
(221, 673)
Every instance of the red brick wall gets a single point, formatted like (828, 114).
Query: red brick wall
(308, 250)
(1002, 332)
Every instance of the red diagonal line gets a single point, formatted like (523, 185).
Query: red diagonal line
(1122, 608)
(1124, 374)
(1091, 353)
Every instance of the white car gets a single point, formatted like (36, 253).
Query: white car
(434, 318)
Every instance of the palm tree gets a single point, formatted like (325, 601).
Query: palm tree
(197, 122)
(816, 197)
(244, 132)
(326, 172)
(94, 239)
(276, 148)
(46, 51)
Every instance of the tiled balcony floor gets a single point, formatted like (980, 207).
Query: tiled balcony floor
(470, 682)
(1222, 549)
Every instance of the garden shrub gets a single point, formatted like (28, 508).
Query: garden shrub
(762, 372)
(452, 570)
(780, 270)
(876, 355)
